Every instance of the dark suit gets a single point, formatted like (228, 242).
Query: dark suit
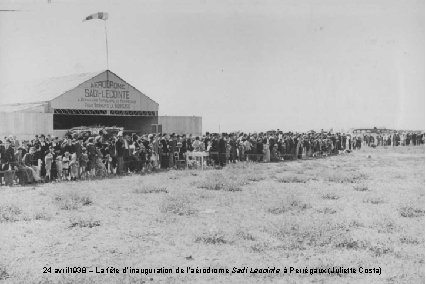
(222, 151)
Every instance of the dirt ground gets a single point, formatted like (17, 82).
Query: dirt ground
(361, 212)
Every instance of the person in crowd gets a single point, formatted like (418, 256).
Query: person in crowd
(92, 154)
(48, 161)
(164, 153)
(275, 154)
(59, 171)
(84, 159)
(31, 163)
(9, 155)
(266, 150)
(65, 165)
(222, 149)
(74, 166)
(196, 145)
(24, 173)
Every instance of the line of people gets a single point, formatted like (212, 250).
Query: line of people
(394, 139)
(78, 156)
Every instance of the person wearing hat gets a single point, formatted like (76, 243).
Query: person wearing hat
(259, 148)
(76, 145)
(67, 146)
(119, 150)
(222, 149)
(213, 150)
(92, 154)
(173, 150)
(134, 151)
(2, 156)
(163, 152)
(184, 148)
(10, 155)
(112, 156)
(43, 148)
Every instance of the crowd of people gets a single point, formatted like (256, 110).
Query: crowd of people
(77, 156)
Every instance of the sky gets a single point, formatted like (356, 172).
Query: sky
(242, 65)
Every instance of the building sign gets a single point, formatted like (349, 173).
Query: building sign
(105, 93)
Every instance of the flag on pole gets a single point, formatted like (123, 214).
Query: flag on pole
(99, 15)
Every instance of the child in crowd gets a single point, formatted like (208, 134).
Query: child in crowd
(65, 165)
(74, 165)
(83, 163)
(48, 160)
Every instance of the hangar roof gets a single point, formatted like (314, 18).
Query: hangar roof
(51, 88)
(21, 107)
(45, 90)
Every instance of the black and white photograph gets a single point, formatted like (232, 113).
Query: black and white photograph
(212, 141)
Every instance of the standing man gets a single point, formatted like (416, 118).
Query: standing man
(119, 149)
(222, 150)
(77, 150)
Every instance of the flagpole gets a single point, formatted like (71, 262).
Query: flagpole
(106, 44)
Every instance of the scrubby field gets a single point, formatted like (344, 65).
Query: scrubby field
(347, 211)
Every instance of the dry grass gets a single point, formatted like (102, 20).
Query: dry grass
(179, 205)
(374, 200)
(296, 235)
(346, 177)
(72, 200)
(292, 179)
(10, 213)
(42, 216)
(330, 196)
(84, 223)
(409, 240)
(255, 177)
(218, 181)
(346, 210)
(327, 210)
(410, 212)
(291, 204)
(245, 236)
(212, 238)
(3, 273)
(146, 189)
(361, 187)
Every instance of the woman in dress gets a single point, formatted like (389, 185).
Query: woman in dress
(74, 165)
(266, 151)
(48, 160)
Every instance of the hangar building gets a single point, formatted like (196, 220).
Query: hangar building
(89, 99)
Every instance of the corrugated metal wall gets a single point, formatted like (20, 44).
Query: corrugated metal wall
(24, 125)
(181, 124)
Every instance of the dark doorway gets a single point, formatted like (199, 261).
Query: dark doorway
(138, 124)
